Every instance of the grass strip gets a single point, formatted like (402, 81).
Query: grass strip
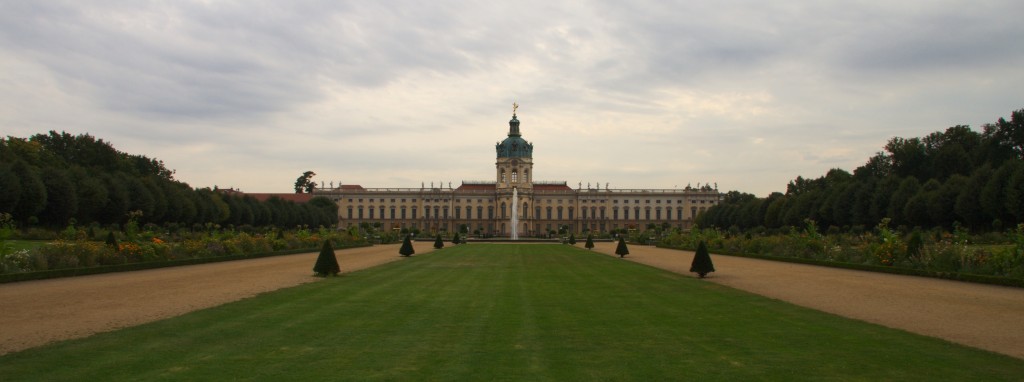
(507, 313)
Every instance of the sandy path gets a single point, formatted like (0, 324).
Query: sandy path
(35, 313)
(982, 316)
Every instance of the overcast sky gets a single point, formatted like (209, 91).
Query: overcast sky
(637, 94)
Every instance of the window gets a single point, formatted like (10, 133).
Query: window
(381, 212)
(469, 212)
(458, 212)
(559, 213)
(479, 212)
(403, 212)
(414, 212)
(361, 212)
(536, 212)
(503, 176)
(350, 212)
(503, 214)
(615, 213)
(571, 210)
(392, 213)
(515, 176)
(371, 212)
(490, 214)
(526, 176)
(549, 212)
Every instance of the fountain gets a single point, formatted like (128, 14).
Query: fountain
(515, 215)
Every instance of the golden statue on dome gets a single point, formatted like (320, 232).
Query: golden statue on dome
(514, 107)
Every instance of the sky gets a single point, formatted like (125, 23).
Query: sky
(747, 95)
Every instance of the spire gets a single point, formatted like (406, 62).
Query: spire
(513, 125)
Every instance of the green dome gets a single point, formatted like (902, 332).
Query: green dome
(514, 146)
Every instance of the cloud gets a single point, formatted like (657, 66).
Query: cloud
(645, 93)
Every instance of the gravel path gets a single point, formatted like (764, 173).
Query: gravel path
(982, 316)
(35, 313)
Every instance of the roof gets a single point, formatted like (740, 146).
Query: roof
(552, 187)
(476, 187)
(297, 198)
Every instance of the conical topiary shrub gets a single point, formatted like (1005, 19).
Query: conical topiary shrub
(621, 249)
(590, 242)
(406, 249)
(326, 263)
(572, 239)
(438, 243)
(111, 240)
(702, 261)
(456, 240)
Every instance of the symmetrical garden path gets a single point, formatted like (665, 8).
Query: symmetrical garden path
(35, 313)
(39, 312)
(982, 316)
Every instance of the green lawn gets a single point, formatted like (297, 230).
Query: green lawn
(509, 312)
(17, 245)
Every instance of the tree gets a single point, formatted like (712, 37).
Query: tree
(590, 242)
(702, 261)
(304, 182)
(33, 191)
(621, 249)
(438, 243)
(572, 239)
(406, 249)
(327, 262)
(456, 240)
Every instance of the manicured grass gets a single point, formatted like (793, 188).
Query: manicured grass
(509, 312)
(17, 245)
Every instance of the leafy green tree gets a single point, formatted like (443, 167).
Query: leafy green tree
(33, 192)
(438, 243)
(590, 242)
(61, 199)
(326, 262)
(10, 189)
(407, 249)
(1015, 194)
(621, 249)
(701, 264)
(305, 182)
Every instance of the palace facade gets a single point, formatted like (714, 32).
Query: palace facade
(484, 207)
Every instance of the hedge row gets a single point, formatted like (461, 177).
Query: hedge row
(966, 277)
(69, 272)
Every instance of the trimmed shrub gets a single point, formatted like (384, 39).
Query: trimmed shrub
(327, 262)
(701, 264)
(438, 243)
(406, 249)
(572, 239)
(621, 249)
(590, 242)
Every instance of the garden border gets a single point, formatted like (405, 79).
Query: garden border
(956, 276)
(71, 272)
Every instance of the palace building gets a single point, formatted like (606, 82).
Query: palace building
(485, 207)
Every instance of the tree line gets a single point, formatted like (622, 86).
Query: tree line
(56, 179)
(957, 177)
